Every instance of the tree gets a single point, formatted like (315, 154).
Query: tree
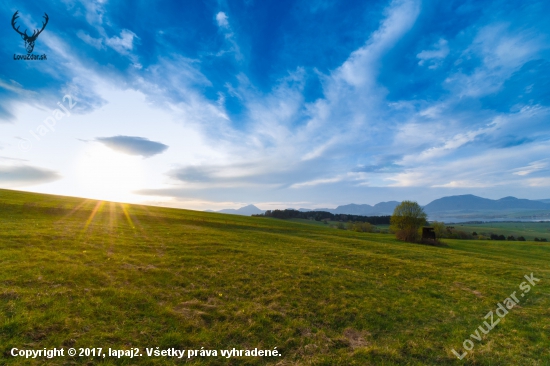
(407, 218)
(440, 229)
(362, 227)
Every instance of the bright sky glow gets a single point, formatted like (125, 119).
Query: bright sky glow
(108, 175)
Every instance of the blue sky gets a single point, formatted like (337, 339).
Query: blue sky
(218, 104)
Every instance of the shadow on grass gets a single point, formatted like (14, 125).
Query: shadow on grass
(428, 242)
(433, 243)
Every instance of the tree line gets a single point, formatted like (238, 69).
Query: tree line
(406, 222)
(324, 215)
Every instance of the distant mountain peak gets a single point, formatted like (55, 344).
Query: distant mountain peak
(508, 198)
(245, 211)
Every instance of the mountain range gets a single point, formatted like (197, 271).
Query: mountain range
(475, 203)
(450, 208)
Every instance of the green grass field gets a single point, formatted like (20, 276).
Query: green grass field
(529, 230)
(82, 273)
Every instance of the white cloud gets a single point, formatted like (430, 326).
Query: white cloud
(94, 11)
(503, 47)
(473, 168)
(464, 184)
(94, 42)
(502, 51)
(539, 182)
(360, 68)
(123, 44)
(15, 87)
(221, 18)
(532, 167)
(449, 145)
(225, 28)
(317, 182)
(95, 14)
(434, 56)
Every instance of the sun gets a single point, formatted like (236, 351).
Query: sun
(107, 175)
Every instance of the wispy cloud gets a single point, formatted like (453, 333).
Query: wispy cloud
(94, 42)
(124, 43)
(535, 166)
(434, 56)
(501, 51)
(225, 28)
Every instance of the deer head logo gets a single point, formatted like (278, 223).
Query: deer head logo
(29, 40)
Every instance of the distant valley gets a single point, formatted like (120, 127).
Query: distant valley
(448, 209)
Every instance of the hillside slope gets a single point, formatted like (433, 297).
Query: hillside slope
(83, 273)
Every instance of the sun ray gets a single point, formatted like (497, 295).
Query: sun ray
(96, 209)
(158, 218)
(134, 221)
(77, 208)
(112, 216)
(113, 224)
(124, 209)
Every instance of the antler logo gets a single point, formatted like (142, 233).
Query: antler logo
(29, 40)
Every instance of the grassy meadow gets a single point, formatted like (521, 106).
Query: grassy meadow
(83, 273)
(529, 230)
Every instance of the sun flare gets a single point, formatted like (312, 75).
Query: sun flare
(108, 175)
